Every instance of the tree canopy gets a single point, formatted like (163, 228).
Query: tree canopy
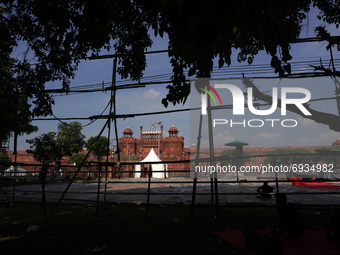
(329, 158)
(45, 148)
(291, 156)
(100, 148)
(61, 33)
(15, 112)
(77, 159)
(230, 158)
(70, 137)
(4, 161)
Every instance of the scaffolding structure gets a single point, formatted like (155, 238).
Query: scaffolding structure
(103, 168)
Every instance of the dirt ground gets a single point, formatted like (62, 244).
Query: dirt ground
(79, 229)
(170, 191)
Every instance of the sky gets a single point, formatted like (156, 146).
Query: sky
(148, 99)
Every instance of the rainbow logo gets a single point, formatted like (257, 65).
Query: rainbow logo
(213, 90)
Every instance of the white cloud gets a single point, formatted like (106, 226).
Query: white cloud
(326, 138)
(151, 94)
(306, 123)
(220, 138)
(267, 136)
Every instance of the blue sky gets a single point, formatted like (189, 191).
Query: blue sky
(149, 98)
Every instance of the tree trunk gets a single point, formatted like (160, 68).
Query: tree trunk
(42, 176)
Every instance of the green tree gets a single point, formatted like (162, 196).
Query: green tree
(77, 158)
(290, 156)
(5, 161)
(329, 158)
(46, 150)
(230, 157)
(100, 148)
(60, 33)
(14, 107)
(70, 137)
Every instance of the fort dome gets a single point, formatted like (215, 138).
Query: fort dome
(127, 130)
(173, 129)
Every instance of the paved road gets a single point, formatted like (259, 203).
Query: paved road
(134, 191)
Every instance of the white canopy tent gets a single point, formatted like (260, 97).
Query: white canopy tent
(158, 170)
(15, 172)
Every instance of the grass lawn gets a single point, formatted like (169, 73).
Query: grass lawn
(77, 229)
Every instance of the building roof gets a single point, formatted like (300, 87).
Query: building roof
(173, 129)
(151, 132)
(337, 142)
(127, 130)
(236, 143)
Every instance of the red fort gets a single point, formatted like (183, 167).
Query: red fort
(171, 146)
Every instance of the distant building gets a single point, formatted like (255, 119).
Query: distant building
(171, 146)
(4, 145)
(170, 149)
(337, 142)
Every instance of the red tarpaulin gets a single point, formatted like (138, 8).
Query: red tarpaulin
(312, 242)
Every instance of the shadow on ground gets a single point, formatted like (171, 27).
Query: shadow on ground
(78, 229)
